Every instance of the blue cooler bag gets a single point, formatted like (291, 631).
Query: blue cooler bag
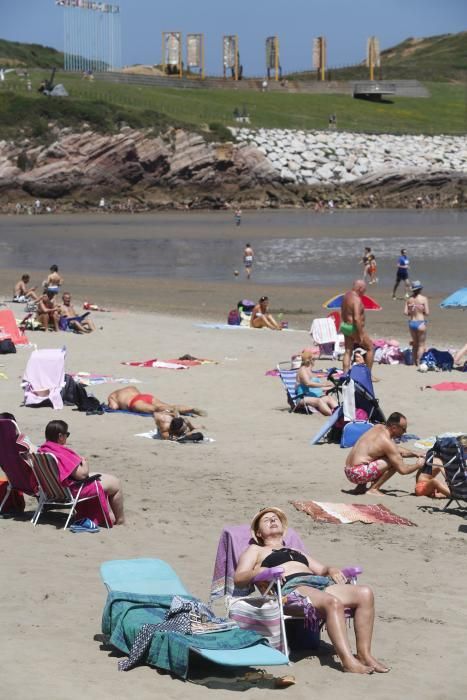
(352, 431)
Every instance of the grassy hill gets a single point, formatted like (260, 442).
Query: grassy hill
(104, 105)
(17, 55)
(440, 58)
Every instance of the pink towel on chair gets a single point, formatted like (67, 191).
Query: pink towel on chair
(67, 462)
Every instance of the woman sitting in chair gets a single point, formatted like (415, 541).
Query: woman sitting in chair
(324, 586)
(311, 390)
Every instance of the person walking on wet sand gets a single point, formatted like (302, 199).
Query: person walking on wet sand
(402, 273)
(353, 325)
(375, 457)
(248, 255)
(238, 216)
(261, 318)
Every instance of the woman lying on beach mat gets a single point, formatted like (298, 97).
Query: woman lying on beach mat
(324, 586)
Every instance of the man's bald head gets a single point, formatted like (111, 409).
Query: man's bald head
(359, 286)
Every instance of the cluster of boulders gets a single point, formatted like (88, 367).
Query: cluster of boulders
(320, 157)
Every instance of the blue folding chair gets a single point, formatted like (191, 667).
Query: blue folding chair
(156, 577)
(288, 378)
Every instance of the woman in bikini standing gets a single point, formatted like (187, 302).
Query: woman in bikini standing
(417, 309)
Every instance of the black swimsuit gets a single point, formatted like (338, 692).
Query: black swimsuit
(281, 556)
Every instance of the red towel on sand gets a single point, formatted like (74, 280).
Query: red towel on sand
(449, 386)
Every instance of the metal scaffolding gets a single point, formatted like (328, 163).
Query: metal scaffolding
(92, 33)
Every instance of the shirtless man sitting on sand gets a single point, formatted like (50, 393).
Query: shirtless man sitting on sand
(79, 323)
(130, 399)
(375, 457)
(353, 325)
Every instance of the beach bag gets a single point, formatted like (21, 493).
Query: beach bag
(353, 431)
(438, 359)
(7, 346)
(258, 614)
(234, 318)
(15, 501)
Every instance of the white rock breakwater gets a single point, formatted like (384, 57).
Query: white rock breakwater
(318, 157)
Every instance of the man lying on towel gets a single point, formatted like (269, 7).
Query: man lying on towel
(375, 457)
(130, 399)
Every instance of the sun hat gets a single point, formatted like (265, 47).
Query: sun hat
(271, 509)
(416, 285)
(359, 351)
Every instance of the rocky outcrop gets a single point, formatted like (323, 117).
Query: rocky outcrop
(264, 169)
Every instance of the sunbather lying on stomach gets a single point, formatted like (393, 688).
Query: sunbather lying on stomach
(375, 457)
(130, 399)
(324, 586)
(174, 428)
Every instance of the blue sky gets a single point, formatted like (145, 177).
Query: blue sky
(346, 24)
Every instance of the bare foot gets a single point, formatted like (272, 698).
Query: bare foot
(357, 666)
(376, 665)
(199, 412)
(376, 492)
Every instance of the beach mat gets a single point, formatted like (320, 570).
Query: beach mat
(106, 409)
(428, 442)
(90, 379)
(9, 328)
(228, 327)
(154, 435)
(344, 513)
(157, 363)
(448, 386)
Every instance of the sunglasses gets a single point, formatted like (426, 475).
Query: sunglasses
(66, 434)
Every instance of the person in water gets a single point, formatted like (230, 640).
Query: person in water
(324, 586)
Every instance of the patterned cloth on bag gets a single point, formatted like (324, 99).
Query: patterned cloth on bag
(185, 617)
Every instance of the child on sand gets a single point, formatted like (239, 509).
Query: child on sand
(427, 483)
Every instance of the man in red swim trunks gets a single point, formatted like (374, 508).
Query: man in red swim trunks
(130, 399)
(375, 457)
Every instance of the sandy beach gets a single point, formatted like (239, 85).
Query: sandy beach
(178, 498)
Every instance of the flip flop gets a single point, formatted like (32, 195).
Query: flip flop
(84, 525)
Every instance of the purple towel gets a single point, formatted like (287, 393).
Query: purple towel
(233, 542)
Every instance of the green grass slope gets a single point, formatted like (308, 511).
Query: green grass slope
(18, 55)
(440, 58)
(104, 105)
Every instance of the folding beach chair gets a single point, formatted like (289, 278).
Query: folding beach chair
(44, 378)
(53, 493)
(325, 335)
(265, 613)
(452, 452)
(15, 462)
(153, 577)
(288, 378)
(355, 394)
